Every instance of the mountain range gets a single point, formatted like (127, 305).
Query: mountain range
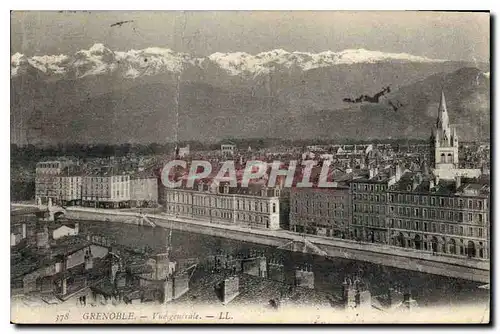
(158, 95)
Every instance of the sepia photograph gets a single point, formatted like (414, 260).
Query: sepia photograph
(250, 167)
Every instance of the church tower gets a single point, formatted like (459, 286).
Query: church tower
(444, 140)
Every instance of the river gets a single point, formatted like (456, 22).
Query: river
(427, 289)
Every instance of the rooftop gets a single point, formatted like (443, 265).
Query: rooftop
(420, 184)
(253, 290)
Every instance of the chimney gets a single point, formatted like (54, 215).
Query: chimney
(77, 228)
(346, 285)
(458, 181)
(349, 294)
(363, 299)
(372, 173)
(436, 182)
(407, 300)
(304, 277)
(115, 266)
(59, 265)
(23, 226)
(415, 183)
(121, 279)
(398, 172)
(64, 286)
(230, 289)
(162, 266)
(431, 184)
(88, 259)
(417, 179)
(420, 178)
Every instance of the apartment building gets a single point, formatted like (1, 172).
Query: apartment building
(368, 200)
(440, 216)
(46, 179)
(106, 189)
(143, 191)
(255, 206)
(321, 211)
(69, 188)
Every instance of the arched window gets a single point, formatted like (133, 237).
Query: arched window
(453, 246)
(443, 158)
(471, 249)
(417, 241)
(401, 240)
(434, 244)
(450, 158)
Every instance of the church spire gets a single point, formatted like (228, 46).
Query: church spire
(442, 121)
(442, 103)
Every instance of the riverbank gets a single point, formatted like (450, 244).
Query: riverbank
(470, 269)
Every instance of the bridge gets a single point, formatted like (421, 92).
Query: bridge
(46, 212)
(142, 220)
(304, 246)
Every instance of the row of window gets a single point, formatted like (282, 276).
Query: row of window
(181, 209)
(320, 205)
(438, 201)
(369, 208)
(445, 248)
(98, 179)
(378, 236)
(318, 197)
(320, 212)
(48, 165)
(368, 187)
(222, 202)
(437, 214)
(369, 197)
(368, 220)
(437, 228)
(320, 224)
(117, 192)
(70, 179)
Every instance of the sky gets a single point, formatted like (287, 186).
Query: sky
(441, 35)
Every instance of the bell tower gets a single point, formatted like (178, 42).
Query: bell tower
(444, 140)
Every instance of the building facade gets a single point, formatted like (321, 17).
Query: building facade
(321, 211)
(445, 218)
(69, 189)
(228, 149)
(250, 207)
(106, 191)
(143, 191)
(47, 181)
(369, 198)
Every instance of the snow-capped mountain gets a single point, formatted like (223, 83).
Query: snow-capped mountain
(99, 60)
(240, 62)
